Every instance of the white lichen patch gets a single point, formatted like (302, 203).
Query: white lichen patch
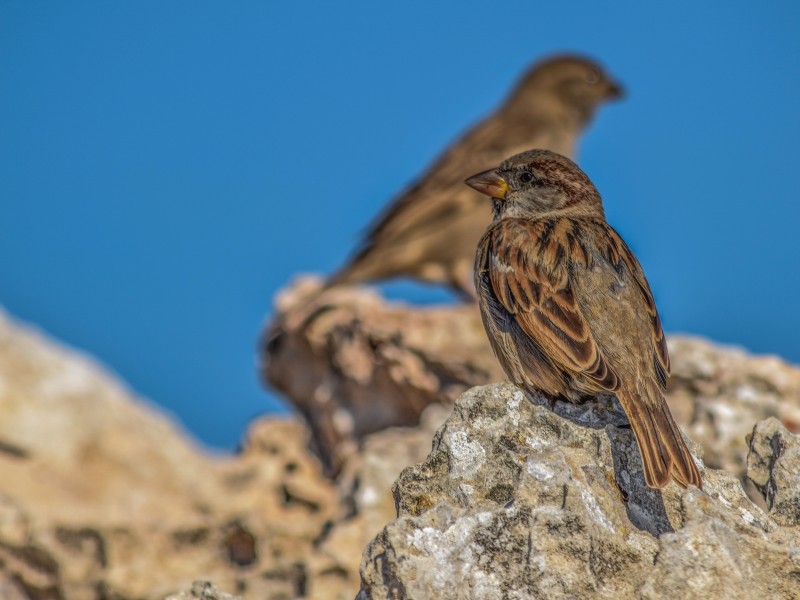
(369, 497)
(467, 456)
(535, 443)
(596, 512)
(454, 554)
(747, 516)
(513, 407)
(539, 470)
(724, 501)
(723, 411)
(486, 585)
(747, 393)
(464, 493)
(484, 518)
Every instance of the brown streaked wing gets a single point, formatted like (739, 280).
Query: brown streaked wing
(440, 188)
(661, 354)
(528, 270)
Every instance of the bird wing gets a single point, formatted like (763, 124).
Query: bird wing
(528, 268)
(617, 251)
(533, 268)
(440, 191)
(438, 219)
(637, 344)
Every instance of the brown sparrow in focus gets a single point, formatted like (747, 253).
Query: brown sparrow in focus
(566, 306)
(430, 231)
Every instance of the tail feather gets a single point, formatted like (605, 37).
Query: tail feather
(374, 262)
(351, 273)
(664, 453)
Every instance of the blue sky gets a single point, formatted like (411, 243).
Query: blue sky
(166, 167)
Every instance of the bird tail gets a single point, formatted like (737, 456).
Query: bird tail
(663, 451)
(350, 273)
(369, 263)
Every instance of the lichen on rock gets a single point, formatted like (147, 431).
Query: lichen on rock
(556, 507)
(773, 465)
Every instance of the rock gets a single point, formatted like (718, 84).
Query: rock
(518, 501)
(354, 364)
(101, 495)
(717, 394)
(773, 465)
(100, 491)
(366, 482)
(203, 590)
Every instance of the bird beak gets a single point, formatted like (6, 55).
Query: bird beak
(615, 91)
(489, 183)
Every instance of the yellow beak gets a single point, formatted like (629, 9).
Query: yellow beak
(489, 183)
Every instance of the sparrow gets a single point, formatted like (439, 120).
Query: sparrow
(429, 232)
(567, 308)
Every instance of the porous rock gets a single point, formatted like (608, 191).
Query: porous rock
(354, 364)
(718, 393)
(203, 590)
(102, 496)
(773, 465)
(519, 501)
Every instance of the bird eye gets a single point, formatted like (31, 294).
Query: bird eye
(593, 77)
(525, 177)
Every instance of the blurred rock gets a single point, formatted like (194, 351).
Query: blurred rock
(717, 394)
(518, 501)
(101, 496)
(365, 485)
(353, 363)
(203, 590)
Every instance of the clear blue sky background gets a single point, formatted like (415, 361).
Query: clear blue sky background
(165, 167)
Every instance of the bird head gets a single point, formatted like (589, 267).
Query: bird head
(538, 183)
(565, 83)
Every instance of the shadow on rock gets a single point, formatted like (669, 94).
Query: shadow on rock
(643, 505)
(518, 500)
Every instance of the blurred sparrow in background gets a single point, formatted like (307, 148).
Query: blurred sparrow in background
(431, 230)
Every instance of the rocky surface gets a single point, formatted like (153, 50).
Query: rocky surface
(519, 501)
(102, 496)
(203, 590)
(773, 466)
(353, 364)
(717, 394)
